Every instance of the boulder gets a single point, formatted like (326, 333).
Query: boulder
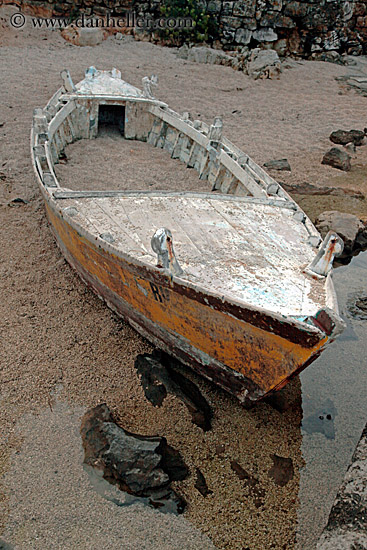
(84, 36)
(343, 137)
(243, 36)
(281, 164)
(140, 465)
(264, 64)
(202, 54)
(337, 159)
(350, 228)
(265, 35)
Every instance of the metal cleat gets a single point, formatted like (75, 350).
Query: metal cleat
(331, 247)
(162, 245)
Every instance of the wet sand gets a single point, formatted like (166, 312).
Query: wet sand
(55, 331)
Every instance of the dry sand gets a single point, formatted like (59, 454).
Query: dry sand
(55, 331)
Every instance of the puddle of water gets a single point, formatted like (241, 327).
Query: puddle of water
(334, 408)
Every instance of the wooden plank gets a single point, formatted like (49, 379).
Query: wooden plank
(82, 216)
(121, 216)
(162, 136)
(185, 151)
(170, 139)
(117, 226)
(166, 210)
(224, 180)
(138, 121)
(110, 99)
(180, 125)
(60, 117)
(196, 157)
(50, 162)
(235, 188)
(62, 194)
(155, 132)
(93, 120)
(178, 145)
(242, 175)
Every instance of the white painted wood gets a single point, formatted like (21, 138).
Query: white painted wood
(249, 251)
(60, 117)
(242, 175)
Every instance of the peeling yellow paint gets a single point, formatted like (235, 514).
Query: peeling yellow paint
(263, 357)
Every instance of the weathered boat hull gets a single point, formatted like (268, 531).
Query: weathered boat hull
(248, 349)
(244, 351)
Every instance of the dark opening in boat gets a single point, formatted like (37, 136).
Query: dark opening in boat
(112, 116)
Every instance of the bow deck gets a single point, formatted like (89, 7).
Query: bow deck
(251, 250)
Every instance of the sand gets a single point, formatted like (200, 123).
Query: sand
(55, 331)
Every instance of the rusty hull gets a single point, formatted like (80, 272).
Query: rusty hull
(246, 352)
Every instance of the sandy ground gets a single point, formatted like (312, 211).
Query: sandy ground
(54, 331)
(111, 162)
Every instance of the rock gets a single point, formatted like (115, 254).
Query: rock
(201, 484)
(263, 64)
(220, 449)
(282, 470)
(357, 305)
(337, 159)
(351, 150)
(202, 54)
(290, 63)
(329, 57)
(243, 36)
(343, 137)
(281, 164)
(82, 36)
(265, 35)
(347, 524)
(306, 188)
(18, 201)
(159, 376)
(140, 465)
(281, 47)
(350, 228)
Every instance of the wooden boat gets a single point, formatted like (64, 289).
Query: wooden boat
(235, 283)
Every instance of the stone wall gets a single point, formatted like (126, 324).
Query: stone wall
(302, 27)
